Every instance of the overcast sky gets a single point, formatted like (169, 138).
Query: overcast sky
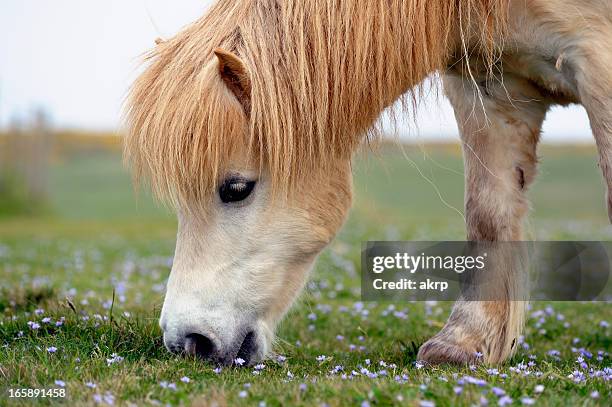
(76, 59)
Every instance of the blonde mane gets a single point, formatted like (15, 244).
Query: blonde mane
(321, 71)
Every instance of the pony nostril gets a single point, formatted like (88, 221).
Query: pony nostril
(200, 346)
(248, 347)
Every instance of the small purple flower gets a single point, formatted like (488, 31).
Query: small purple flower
(498, 392)
(504, 401)
(51, 349)
(185, 379)
(303, 386)
(217, 370)
(458, 389)
(91, 385)
(595, 394)
(242, 394)
(60, 383)
(114, 359)
(239, 361)
(39, 311)
(321, 358)
(577, 376)
(418, 364)
(604, 324)
(109, 398)
(281, 358)
(474, 380)
(33, 325)
(527, 401)
(427, 403)
(45, 320)
(539, 388)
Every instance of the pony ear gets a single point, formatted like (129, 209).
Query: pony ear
(236, 77)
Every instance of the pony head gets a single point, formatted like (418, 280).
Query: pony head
(253, 211)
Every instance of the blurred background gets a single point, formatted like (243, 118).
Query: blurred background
(65, 67)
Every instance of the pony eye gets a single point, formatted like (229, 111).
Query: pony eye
(235, 190)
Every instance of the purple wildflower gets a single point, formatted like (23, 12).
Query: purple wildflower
(33, 325)
(504, 401)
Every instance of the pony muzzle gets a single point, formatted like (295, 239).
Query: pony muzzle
(243, 348)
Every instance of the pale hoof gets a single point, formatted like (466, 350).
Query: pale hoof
(437, 351)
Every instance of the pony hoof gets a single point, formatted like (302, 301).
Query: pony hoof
(438, 351)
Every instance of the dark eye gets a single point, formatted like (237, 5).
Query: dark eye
(235, 189)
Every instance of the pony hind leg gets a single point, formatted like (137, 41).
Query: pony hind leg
(500, 127)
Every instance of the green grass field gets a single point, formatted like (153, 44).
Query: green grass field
(82, 286)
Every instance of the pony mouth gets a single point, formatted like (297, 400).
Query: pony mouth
(246, 351)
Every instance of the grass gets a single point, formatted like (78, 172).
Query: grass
(96, 269)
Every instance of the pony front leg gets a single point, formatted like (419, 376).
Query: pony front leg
(500, 127)
(594, 79)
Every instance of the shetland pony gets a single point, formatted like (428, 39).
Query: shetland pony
(246, 121)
